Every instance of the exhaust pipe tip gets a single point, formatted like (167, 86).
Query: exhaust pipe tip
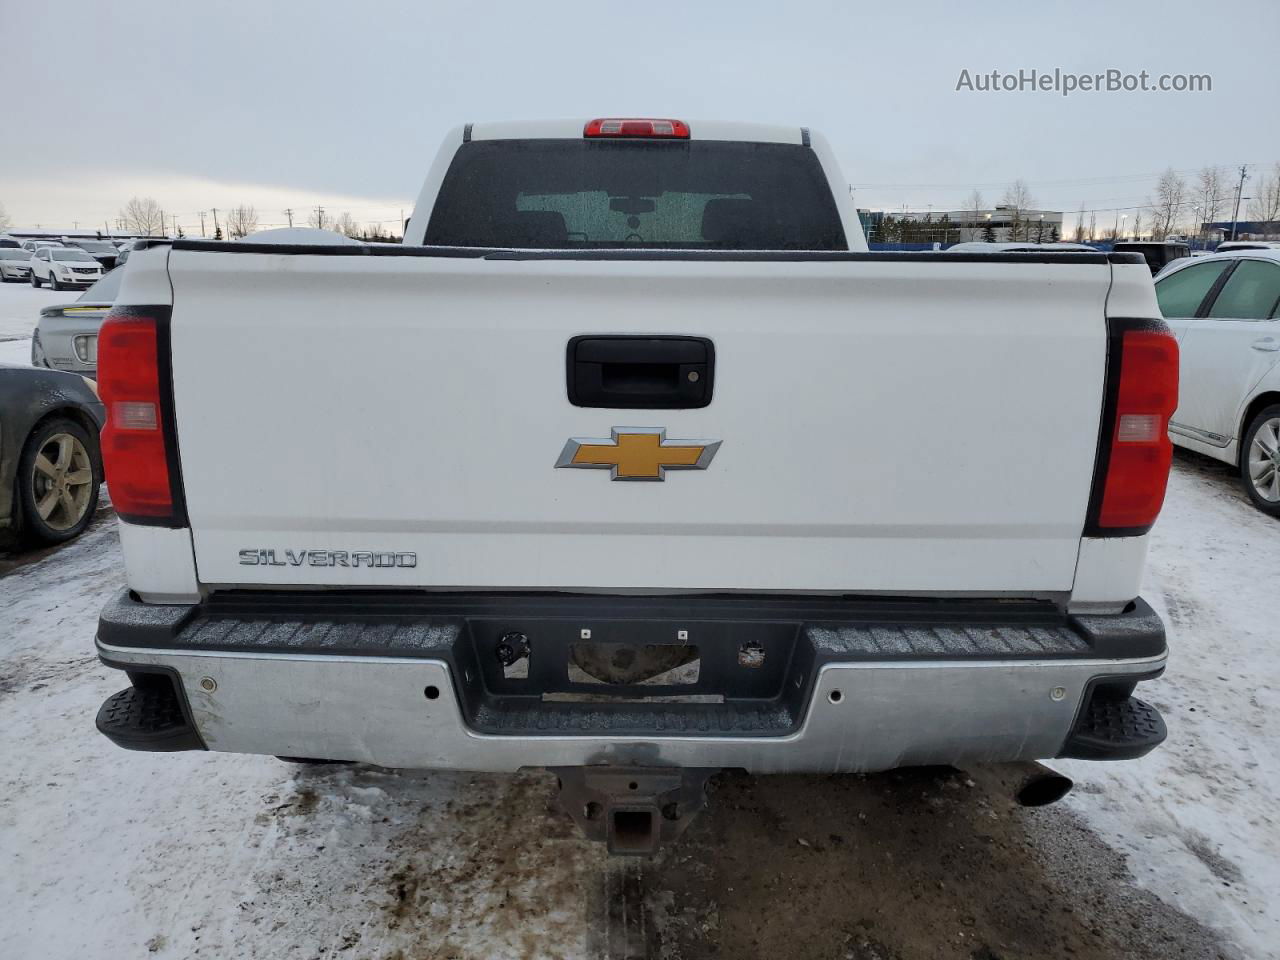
(1042, 787)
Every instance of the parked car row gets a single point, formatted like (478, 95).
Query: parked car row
(106, 252)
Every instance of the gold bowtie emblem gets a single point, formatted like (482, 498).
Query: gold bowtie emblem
(638, 453)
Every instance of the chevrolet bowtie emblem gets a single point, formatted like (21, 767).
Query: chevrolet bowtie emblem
(638, 453)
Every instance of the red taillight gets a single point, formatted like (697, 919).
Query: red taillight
(637, 127)
(135, 441)
(1136, 444)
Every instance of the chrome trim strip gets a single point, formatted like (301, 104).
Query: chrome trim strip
(1195, 433)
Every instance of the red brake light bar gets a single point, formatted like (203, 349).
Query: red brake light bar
(138, 445)
(636, 127)
(1135, 450)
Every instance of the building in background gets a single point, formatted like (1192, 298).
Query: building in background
(997, 225)
(1221, 230)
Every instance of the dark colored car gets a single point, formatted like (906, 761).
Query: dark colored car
(101, 250)
(50, 461)
(1157, 255)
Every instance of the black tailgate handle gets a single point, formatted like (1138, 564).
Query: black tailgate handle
(633, 373)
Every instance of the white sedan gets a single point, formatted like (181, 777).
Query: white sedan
(1225, 309)
(14, 264)
(63, 267)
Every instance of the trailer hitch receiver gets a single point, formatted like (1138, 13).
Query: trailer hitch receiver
(632, 809)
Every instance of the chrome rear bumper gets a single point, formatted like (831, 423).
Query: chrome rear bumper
(411, 686)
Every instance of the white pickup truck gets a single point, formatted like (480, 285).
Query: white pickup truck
(632, 463)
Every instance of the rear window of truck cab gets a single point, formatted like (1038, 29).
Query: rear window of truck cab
(583, 194)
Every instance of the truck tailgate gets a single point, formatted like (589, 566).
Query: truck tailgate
(885, 426)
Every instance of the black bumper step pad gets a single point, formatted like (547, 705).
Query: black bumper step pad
(1110, 729)
(150, 718)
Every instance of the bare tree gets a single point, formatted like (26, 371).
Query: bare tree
(1137, 224)
(345, 224)
(1210, 196)
(1079, 234)
(241, 221)
(1166, 208)
(1266, 205)
(974, 208)
(5, 222)
(1017, 197)
(319, 219)
(143, 215)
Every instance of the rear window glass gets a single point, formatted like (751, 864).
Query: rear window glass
(105, 290)
(577, 194)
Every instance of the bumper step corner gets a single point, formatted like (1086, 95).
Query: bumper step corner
(1111, 729)
(149, 718)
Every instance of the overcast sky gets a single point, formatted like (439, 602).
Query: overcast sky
(343, 103)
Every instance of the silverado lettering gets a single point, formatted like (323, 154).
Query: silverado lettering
(327, 558)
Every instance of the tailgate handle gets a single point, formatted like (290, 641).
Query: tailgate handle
(633, 373)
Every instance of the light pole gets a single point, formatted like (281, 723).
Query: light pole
(1235, 215)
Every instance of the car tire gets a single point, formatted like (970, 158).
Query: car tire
(35, 281)
(53, 281)
(59, 474)
(1260, 460)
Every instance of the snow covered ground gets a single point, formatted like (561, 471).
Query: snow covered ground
(105, 853)
(20, 305)
(1200, 817)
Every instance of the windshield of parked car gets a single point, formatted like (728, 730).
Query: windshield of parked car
(95, 246)
(14, 253)
(696, 194)
(105, 290)
(65, 253)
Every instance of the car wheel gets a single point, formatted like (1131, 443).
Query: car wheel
(53, 281)
(1260, 460)
(58, 479)
(34, 281)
